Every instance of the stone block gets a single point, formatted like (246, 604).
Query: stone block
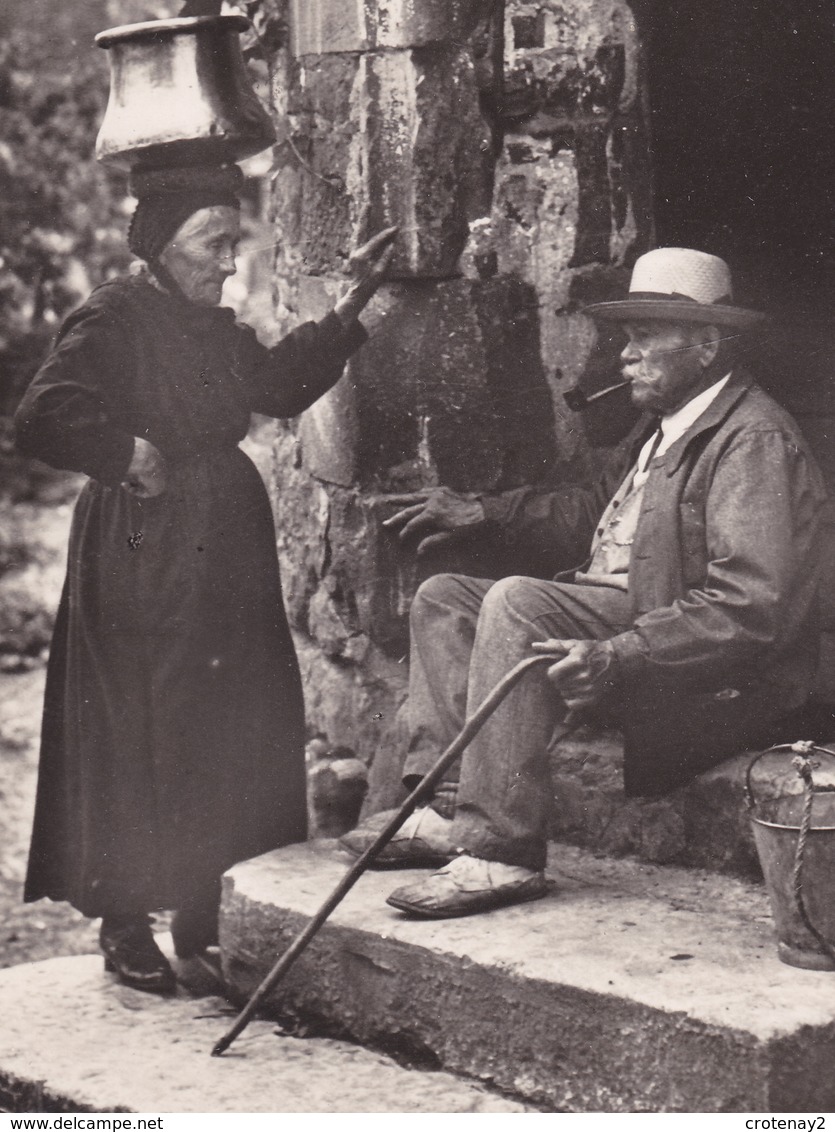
(532, 233)
(630, 177)
(348, 582)
(549, 91)
(137, 11)
(337, 783)
(629, 988)
(348, 704)
(450, 388)
(301, 508)
(318, 603)
(395, 114)
(570, 183)
(705, 824)
(567, 62)
(396, 137)
(434, 396)
(367, 581)
(565, 202)
(330, 436)
(590, 809)
(416, 23)
(312, 206)
(77, 1041)
(426, 151)
(327, 26)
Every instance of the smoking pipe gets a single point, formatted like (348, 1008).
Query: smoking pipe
(577, 400)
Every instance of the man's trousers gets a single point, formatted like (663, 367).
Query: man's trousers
(466, 634)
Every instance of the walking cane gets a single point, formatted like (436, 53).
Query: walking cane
(421, 793)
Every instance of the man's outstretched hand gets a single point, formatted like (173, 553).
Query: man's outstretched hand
(440, 515)
(583, 674)
(368, 266)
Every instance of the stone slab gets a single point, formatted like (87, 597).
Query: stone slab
(334, 26)
(631, 987)
(450, 389)
(705, 824)
(427, 155)
(74, 1040)
(396, 137)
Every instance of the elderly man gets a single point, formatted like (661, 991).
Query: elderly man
(692, 620)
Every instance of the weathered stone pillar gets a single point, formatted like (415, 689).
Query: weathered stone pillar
(507, 141)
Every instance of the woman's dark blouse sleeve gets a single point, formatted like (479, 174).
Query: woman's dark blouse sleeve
(80, 412)
(63, 418)
(285, 380)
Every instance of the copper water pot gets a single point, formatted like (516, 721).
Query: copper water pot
(180, 94)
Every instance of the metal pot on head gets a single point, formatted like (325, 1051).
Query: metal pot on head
(180, 95)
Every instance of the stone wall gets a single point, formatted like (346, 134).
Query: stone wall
(507, 140)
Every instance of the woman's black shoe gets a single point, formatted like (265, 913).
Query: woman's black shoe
(193, 929)
(132, 954)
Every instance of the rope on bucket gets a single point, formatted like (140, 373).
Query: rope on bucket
(803, 751)
(802, 763)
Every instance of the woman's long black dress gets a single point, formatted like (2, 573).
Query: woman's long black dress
(173, 724)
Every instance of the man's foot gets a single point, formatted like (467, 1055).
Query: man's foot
(131, 953)
(468, 885)
(423, 841)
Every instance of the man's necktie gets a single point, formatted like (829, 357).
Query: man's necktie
(656, 440)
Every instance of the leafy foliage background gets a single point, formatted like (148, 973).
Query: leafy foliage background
(62, 216)
(62, 224)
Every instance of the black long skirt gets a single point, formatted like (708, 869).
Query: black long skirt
(173, 733)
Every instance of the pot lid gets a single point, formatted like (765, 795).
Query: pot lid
(178, 26)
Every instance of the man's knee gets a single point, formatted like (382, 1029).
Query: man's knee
(439, 591)
(513, 593)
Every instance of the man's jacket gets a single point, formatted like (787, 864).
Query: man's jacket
(723, 582)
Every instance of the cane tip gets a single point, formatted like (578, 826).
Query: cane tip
(221, 1047)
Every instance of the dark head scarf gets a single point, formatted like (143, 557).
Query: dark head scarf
(167, 197)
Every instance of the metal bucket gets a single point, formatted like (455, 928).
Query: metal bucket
(180, 95)
(795, 839)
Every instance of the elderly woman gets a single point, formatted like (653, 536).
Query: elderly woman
(173, 725)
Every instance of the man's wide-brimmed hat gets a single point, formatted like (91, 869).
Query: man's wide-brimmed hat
(679, 285)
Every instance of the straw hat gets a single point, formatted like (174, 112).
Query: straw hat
(681, 285)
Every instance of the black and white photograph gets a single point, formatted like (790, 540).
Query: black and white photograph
(417, 561)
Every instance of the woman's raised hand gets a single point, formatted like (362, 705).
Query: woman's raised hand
(368, 266)
(145, 476)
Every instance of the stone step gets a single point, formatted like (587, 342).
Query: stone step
(705, 824)
(631, 987)
(74, 1040)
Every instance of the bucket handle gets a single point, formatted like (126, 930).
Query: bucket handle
(804, 748)
(802, 762)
